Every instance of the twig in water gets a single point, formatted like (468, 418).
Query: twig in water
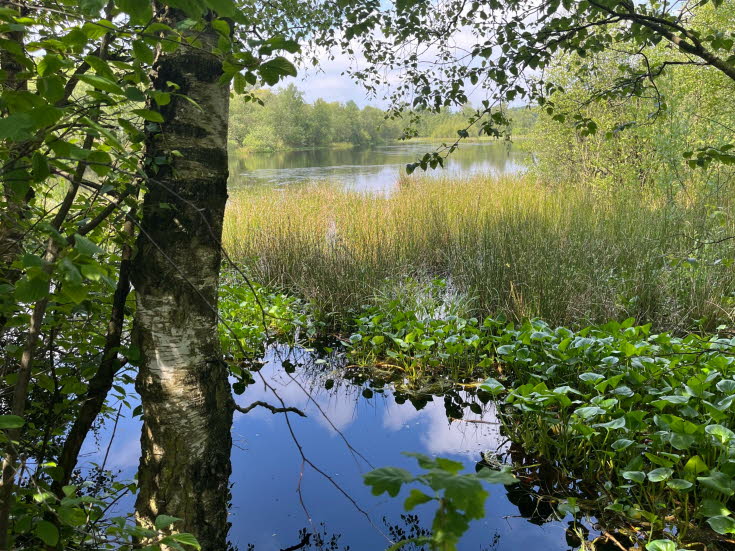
(273, 409)
(303, 543)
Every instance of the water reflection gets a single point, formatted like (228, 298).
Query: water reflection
(268, 465)
(373, 169)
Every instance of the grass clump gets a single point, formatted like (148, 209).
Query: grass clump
(510, 246)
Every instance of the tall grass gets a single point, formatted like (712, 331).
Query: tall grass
(509, 245)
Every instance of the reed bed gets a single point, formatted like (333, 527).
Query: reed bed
(508, 245)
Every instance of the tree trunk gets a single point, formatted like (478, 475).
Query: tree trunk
(187, 403)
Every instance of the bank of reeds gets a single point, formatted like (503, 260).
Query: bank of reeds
(510, 245)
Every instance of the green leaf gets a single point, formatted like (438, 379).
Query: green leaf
(149, 115)
(140, 11)
(73, 516)
(503, 476)
(621, 444)
(682, 441)
(143, 52)
(91, 7)
(568, 507)
(388, 480)
(185, 538)
(493, 386)
(660, 474)
(16, 127)
(85, 246)
(48, 65)
(40, 168)
(713, 508)
(47, 532)
(679, 484)
(661, 545)
(416, 497)
(75, 292)
(275, 69)
(723, 434)
(223, 8)
(31, 290)
(11, 422)
(165, 521)
(722, 525)
(635, 476)
(717, 481)
(102, 83)
(591, 377)
(695, 465)
(618, 423)
(588, 412)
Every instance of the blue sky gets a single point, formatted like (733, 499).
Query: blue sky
(328, 82)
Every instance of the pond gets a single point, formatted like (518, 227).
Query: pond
(369, 169)
(379, 424)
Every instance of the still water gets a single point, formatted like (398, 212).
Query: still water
(379, 425)
(374, 169)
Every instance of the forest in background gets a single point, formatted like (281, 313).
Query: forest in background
(284, 120)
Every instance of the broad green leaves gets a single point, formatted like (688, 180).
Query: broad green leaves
(388, 480)
(460, 497)
(10, 422)
(593, 400)
(275, 69)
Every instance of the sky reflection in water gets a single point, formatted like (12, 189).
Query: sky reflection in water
(370, 169)
(266, 510)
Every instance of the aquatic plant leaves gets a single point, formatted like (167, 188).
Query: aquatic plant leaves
(713, 508)
(493, 386)
(679, 484)
(723, 434)
(668, 394)
(503, 476)
(722, 524)
(660, 474)
(719, 482)
(621, 444)
(635, 476)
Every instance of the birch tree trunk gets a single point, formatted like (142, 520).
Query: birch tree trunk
(187, 404)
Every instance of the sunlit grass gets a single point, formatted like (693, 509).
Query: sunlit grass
(509, 245)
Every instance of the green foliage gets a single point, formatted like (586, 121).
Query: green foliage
(283, 120)
(643, 417)
(253, 318)
(672, 139)
(76, 103)
(510, 46)
(80, 514)
(271, 120)
(459, 497)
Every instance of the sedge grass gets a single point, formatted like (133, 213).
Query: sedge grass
(509, 245)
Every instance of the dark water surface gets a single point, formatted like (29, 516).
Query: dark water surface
(267, 469)
(369, 169)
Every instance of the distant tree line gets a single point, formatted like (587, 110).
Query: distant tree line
(284, 120)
